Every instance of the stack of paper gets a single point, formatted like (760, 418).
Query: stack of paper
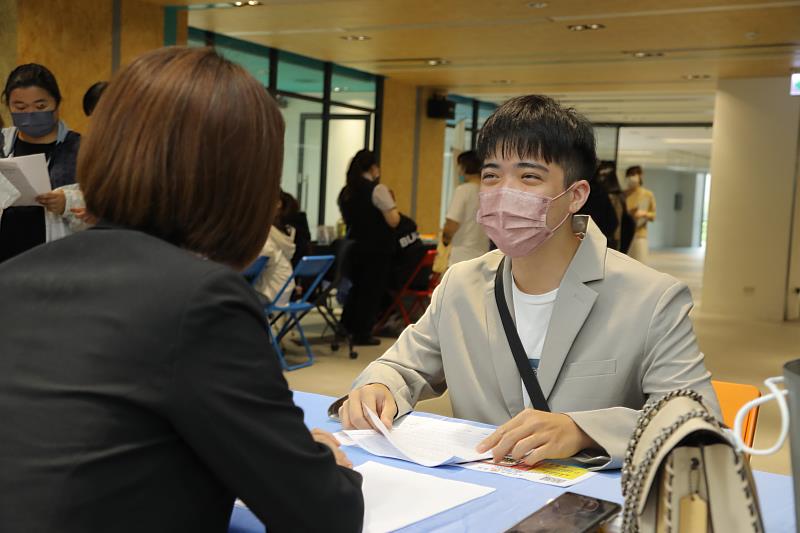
(422, 440)
(28, 175)
(396, 498)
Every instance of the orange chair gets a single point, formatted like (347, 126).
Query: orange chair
(420, 298)
(732, 396)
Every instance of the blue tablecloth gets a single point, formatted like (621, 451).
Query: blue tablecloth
(514, 499)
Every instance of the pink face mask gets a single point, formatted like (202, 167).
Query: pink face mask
(516, 221)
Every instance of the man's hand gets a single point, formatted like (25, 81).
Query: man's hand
(533, 436)
(323, 437)
(375, 396)
(53, 201)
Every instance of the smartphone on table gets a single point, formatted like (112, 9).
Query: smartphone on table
(570, 512)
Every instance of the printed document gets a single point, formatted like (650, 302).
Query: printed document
(28, 174)
(422, 440)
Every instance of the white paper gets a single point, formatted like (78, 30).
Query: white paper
(29, 175)
(396, 498)
(422, 440)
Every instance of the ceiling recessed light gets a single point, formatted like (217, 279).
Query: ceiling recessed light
(355, 37)
(586, 27)
(253, 3)
(537, 5)
(642, 55)
(238, 4)
(435, 62)
(694, 77)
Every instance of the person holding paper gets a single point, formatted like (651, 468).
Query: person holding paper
(33, 99)
(595, 334)
(138, 387)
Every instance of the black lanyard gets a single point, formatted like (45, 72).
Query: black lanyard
(527, 373)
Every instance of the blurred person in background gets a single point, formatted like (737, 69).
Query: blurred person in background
(461, 229)
(369, 210)
(641, 205)
(607, 178)
(599, 206)
(92, 96)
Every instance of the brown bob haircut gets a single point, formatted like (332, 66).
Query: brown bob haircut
(188, 147)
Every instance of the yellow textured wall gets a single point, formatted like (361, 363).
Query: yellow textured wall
(397, 140)
(142, 29)
(431, 159)
(72, 38)
(400, 116)
(8, 48)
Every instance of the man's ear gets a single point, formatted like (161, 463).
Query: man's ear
(579, 195)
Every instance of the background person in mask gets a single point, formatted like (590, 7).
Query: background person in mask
(370, 212)
(33, 98)
(605, 332)
(461, 229)
(641, 204)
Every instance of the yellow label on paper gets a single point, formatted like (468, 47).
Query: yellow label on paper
(559, 470)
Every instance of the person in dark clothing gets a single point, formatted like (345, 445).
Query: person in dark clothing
(33, 99)
(138, 387)
(369, 210)
(607, 178)
(599, 207)
(290, 216)
(92, 96)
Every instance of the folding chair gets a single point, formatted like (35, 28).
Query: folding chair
(324, 299)
(255, 269)
(732, 397)
(309, 267)
(420, 298)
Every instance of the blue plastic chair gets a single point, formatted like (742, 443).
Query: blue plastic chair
(314, 266)
(255, 269)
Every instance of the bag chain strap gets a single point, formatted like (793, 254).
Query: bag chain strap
(634, 487)
(633, 477)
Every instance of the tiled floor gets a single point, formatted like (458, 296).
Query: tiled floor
(736, 350)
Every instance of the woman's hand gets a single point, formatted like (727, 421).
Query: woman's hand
(53, 201)
(83, 215)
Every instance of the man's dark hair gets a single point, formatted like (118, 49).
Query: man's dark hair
(470, 162)
(536, 126)
(92, 96)
(635, 170)
(32, 75)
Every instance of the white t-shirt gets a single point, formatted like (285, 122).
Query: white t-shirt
(532, 313)
(470, 241)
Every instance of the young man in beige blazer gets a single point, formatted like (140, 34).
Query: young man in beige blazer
(605, 333)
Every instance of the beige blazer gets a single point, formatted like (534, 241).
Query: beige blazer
(620, 334)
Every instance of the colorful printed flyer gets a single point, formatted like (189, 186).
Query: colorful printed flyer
(560, 474)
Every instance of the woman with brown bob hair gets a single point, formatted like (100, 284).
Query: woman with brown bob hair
(138, 388)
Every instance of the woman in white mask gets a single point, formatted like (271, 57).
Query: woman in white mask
(554, 338)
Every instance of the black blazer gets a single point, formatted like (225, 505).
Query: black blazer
(139, 392)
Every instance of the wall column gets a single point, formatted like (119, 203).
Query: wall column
(753, 184)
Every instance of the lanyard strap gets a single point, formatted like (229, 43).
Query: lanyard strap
(527, 373)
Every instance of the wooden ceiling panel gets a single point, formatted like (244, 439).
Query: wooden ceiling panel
(504, 47)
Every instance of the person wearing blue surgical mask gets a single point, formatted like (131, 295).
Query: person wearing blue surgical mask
(34, 99)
